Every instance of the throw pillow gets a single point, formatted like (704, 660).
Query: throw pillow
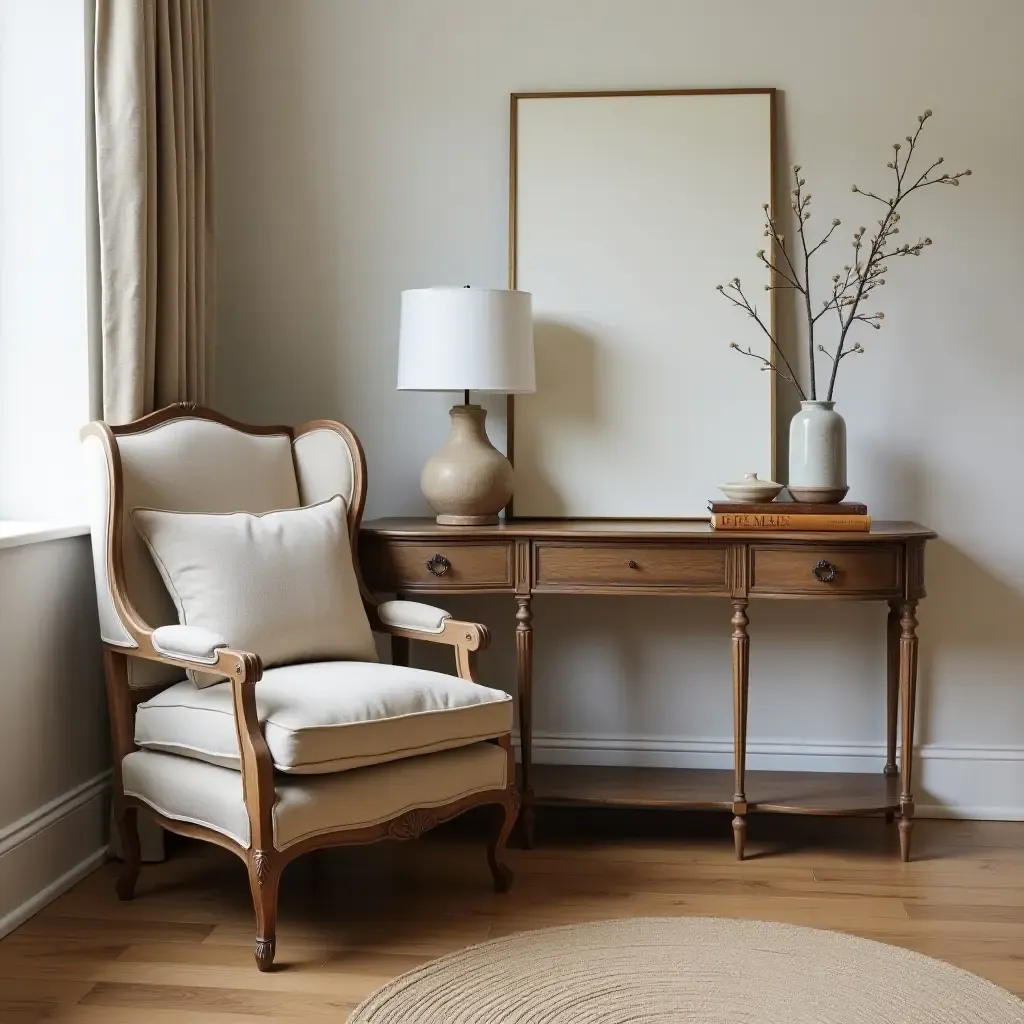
(281, 585)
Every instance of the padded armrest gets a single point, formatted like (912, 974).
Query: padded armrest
(423, 618)
(189, 643)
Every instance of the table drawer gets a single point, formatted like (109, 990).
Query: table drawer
(695, 567)
(820, 570)
(400, 565)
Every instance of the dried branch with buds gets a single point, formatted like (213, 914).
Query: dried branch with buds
(859, 278)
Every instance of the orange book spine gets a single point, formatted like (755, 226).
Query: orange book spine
(807, 522)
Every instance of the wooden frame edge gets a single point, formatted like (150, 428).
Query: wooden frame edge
(513, 248)
(410, 824)
(773, 144)
(190, 410)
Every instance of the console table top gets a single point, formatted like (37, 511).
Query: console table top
(652, 529)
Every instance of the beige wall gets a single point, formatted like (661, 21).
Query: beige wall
(54, 751)
(363, 149)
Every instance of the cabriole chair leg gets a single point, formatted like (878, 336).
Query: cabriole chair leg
(264, 881)
(505, 817)
(131, 852)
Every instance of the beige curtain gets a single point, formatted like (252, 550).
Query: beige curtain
(154, 177)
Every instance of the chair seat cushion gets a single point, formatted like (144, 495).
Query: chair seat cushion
(183, 789)
(328, 716)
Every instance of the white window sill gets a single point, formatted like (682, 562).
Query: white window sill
(15, 534)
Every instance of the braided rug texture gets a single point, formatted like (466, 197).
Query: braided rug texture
(706, 970)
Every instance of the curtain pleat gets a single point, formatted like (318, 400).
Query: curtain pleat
(154, 173)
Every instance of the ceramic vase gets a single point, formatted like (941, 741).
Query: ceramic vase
(817, 453)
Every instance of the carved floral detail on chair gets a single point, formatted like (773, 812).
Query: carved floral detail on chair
(261, 866)
(412, 824)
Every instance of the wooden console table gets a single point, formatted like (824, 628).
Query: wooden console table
(527, 557)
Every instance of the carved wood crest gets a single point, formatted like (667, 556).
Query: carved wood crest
(412, 824)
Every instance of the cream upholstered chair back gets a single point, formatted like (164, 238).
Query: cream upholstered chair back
(193, 460)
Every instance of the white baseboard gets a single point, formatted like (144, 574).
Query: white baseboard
(47, 851)
(43, 817)
(985, 783)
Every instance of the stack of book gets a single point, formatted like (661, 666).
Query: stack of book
(846, 516)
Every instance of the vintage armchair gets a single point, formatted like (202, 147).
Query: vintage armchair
(189, 459)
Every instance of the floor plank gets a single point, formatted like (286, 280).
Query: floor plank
(235, 1001)
(27, 1000)
(353, 919)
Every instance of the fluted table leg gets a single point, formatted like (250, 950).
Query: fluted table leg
(524, 672)
(892, 694)
(740, 686)
(908, 699)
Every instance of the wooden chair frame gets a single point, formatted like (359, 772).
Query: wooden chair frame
(263, 861)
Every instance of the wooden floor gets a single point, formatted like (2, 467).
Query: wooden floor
(350, 920)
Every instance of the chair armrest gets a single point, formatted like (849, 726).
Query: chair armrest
(238, 666)
(424, 618)
(425, 622)
(189, 643)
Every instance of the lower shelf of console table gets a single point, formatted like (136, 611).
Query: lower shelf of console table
(825, 793)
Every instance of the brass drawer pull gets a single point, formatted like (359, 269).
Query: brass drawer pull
(824, 571)
(631, 564)
(438, 565)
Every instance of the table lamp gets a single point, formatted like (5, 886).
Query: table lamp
(466, 339)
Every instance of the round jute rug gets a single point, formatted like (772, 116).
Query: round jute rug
(706, 970)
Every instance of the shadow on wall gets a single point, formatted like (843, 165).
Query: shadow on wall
(566, 400)
(279, 357)
(970, 621)
(788, 327)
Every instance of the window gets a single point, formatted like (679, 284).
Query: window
(45, 157)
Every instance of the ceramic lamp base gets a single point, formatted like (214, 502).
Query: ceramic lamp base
(468, 481)
(488, 520)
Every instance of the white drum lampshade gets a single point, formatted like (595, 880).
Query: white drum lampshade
(467, 339)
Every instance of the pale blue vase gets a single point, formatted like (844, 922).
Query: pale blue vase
(817, 453)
